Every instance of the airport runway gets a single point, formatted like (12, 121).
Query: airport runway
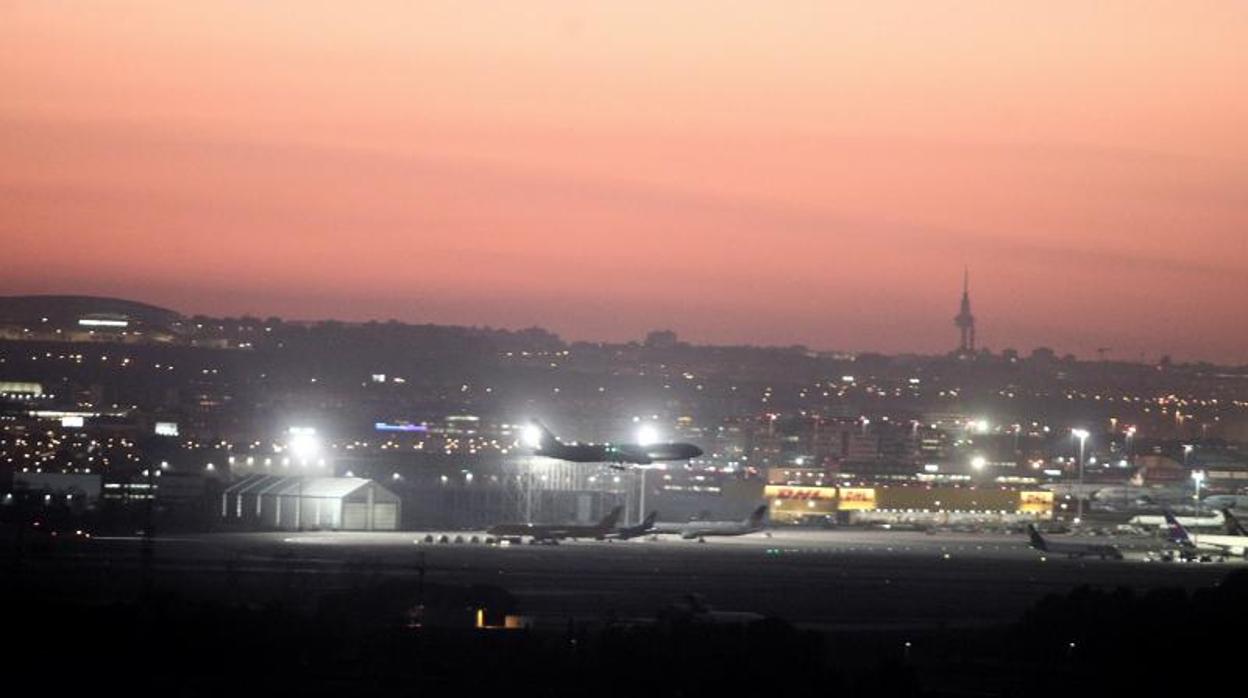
(837, 579)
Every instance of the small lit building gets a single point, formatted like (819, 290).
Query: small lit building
(326, 503)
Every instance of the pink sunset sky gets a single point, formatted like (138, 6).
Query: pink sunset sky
(757, 171)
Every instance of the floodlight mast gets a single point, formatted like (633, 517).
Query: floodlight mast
(1082, 435)
(305, 445)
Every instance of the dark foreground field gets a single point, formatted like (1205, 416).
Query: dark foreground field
(862, 613)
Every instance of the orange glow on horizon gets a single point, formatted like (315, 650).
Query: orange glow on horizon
(810, 172)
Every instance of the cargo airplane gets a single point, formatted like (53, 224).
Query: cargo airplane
(1226, 501)
(619, 456)
(702, 529)
(1222, 545)
(1233, 526)
(635, 531)
(1070, 548)
(553, 533)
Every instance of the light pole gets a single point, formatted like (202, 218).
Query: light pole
(641, 500)
(1198, 477)
(304, 445)
(1082, 435)
(646, 434)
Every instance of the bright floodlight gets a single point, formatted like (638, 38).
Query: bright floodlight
(1198, 476)
(647, 434)
(982, 426)
(532, 436)
(978, 462)
(1079, 433)
(304, 443)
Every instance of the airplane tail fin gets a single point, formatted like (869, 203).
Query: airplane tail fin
(756, 517)
(1233, 525)
(612, 517)
(648, 522)
(1178, 534)
(1037, 540)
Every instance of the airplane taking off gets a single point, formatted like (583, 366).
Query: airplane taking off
(544, 443)
(553, 533)
(701, 529)
(1071, 549)
(1223, 545)
(635, 531)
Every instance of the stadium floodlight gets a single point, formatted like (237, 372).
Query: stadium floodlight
(532, 436)
(303, 443)
(979, 462)
(647, 434)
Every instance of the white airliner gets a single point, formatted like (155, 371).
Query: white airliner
(1070, 548)
(701, 529)
(1226, 501)
(1223, 545)
(1217, 520)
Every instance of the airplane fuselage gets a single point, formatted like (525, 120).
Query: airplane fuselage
(1233, 546)
(619, 453)
(1083, 550)
(547, 532)
(1071, 548)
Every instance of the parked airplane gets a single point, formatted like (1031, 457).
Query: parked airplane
(1233, 526)
(637, 530)
(1070, 548)
(1217, 520)
(1144, 496)
(1225, 501)
(702, 529)
(544, 443)
(553, 533)
(1222, 545)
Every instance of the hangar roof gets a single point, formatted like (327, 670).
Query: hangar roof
(321, 487)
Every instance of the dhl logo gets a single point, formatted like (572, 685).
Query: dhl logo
(802, 493)
(799, 494)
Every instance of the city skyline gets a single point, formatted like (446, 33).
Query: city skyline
(817, 176)
(965, 347)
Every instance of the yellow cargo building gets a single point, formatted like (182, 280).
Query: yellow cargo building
(792, 503)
